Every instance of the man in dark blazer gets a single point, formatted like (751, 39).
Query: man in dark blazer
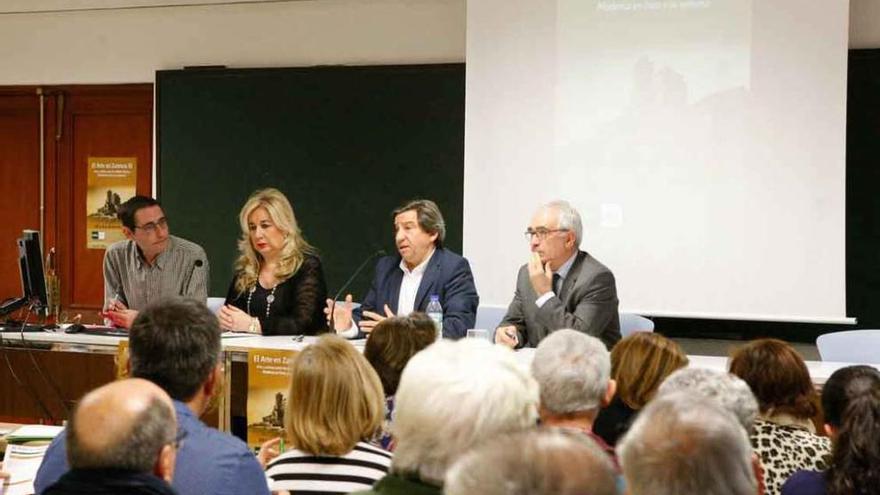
(405, 282)
(561, 286)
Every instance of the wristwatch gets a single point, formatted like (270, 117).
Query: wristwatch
(253, 327)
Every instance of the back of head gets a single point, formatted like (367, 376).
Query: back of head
(572, 370)
(122, 425)
(127, 210)
(335, 398)
(534, 462)
(175, 343)
(640, 363)
(855, 463)
(729, 391)
(778, 377)
(393, 342)
(681, 444)
(453, 395)
(844, 385)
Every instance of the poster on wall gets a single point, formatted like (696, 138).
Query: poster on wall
(268, 382)
(111, 181)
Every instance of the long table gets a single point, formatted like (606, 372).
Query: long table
(102, 349)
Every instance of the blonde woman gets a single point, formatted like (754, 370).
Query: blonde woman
(335, 406)
(279, 286)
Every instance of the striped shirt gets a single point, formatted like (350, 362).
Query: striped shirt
(180, 270)
(302, 473)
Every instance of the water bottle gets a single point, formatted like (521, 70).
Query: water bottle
(435, 312)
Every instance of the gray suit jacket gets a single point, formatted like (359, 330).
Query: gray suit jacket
(587, 302)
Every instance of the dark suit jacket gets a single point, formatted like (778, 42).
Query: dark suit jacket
(587, 302)
(447, 275)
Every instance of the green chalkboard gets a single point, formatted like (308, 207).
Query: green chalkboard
(345, 144)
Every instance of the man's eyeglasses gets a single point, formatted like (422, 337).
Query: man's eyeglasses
(151, 227)
(178, 440)
(540, 233)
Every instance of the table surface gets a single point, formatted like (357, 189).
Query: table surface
(819, 370)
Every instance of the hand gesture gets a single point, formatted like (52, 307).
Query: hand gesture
(233, 319)
(540, 275)
(371, 319)
(506, 336)
(341, 314)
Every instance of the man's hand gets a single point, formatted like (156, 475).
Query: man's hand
(372, 319)
(122, 318)
(116, 305)
(341, 314)
(506, 336)
(233, 319)
(540, 275)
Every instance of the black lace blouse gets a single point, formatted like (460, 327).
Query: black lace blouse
(298, 303)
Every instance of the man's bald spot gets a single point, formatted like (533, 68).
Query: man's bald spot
(108, 414)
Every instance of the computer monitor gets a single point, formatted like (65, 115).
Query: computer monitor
(33, 278)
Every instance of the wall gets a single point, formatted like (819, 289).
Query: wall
(124, 45)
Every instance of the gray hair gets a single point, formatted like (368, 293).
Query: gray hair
(534, 462)
(572, 370)
(137, 450)
(569, 218)
(454, 395)
(685, 444)
(429, 217)
(728, 390)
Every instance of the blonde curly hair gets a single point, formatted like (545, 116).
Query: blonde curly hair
(295, 248)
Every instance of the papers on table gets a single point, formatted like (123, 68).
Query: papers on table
(28, 433)
(22, 463)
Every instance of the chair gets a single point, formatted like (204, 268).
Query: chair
(851, 346)
(488, 317)
(215, 303)
(631, 323)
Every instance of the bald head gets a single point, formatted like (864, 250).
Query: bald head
(125, 425)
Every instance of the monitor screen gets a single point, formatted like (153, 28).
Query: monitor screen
(33, 278)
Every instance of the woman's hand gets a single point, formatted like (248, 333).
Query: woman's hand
(233, 319)
(268, 451)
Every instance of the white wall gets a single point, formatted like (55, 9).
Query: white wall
(51, 42)
(126, 45)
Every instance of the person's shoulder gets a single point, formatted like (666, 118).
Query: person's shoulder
(187, 246)
(805, 483)
(591, 264)
(215, 440)
(119, 248)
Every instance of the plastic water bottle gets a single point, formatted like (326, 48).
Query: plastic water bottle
(435, 312)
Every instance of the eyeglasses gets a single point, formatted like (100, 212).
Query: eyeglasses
(178, 440)
(151, 227)
(540, 233)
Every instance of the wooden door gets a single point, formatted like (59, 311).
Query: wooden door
(19, 178)
(97, 121)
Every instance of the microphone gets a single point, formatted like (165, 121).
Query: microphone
(371, 257)
(196, 264)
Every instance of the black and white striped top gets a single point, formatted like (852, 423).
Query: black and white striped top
(180, 270)
(302, 473)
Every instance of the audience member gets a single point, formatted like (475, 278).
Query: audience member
(729, 391)
(851, 402)
(784, 435)
(682, 444)
(279, 287)
(452, 396)
(560, 286)
(405, 282)
(533, 462)
(150, 264)
(334, 408)
(120, 439)
(573, 374)
(390, 346)
(639, 364)
(176, 345)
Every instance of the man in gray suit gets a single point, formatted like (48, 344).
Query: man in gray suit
(561, 286)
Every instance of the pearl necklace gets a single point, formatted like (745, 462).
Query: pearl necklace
(269, 299)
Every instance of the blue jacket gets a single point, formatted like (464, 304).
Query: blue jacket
(447, 275)
(209, 462)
